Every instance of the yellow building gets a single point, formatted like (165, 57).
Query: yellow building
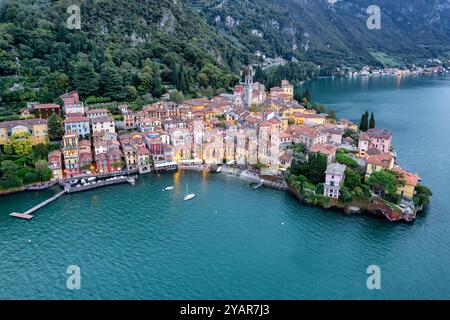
(309, 118)
(71, 154)
(197, 104)
(288, 88)
(284, 124)
(37, 128)
(408, 184)
(379, 162)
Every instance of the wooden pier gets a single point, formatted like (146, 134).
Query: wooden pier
(27, 215)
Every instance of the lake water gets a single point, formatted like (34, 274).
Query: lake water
(233, 242)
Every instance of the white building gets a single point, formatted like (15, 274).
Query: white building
(335, 176)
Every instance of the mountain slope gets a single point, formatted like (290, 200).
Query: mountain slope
(332, 31)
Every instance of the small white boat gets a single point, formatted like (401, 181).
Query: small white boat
(189, 196)
(169, 188)
(92, 179)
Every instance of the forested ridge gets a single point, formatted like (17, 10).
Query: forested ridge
(125, 50)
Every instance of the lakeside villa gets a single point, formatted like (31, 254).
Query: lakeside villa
(206, 133)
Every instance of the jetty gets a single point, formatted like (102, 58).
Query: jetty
(28, 214)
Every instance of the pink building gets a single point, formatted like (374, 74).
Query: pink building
(70, 98)
(55, 164)
(378, 139)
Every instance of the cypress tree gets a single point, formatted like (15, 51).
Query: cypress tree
(364, 124)
(183, 87)
(175, 76)
(366, 121)
(307, 96)
(361, 123)
(372, 121)
(55, 128)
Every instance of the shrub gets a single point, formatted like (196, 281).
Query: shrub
(31, 177)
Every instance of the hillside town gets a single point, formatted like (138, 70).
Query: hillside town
(251, 128)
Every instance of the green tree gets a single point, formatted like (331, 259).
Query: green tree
(343, 158)
(175, 76)
(55, 127)
(22, 144)
(422, 196)
(372, 121)
(316, 167)
(85, 78)
(345, 195)
(9, 178)
(8, 148)
(364, 123)
(352, 179)
(383, 182)
(42, 170)
(111, 82)
(145, 79)
(40, 152)
(183, 85)
(306, 96)
(177, 96)
(332, 114)
(300, 183)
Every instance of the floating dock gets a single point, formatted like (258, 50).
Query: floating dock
(27, 215)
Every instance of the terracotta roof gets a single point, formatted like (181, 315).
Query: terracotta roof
(102, 119)
(100, 156)
(77, 119)
(141, 151)
(324, 149)
(274, 120)
(25, 122)
(409, 178)
(265, 124)
(378, 134)
(114, 153)
(47, 106)
(84, 143)
(85, 156)
(93, 111)
(197, 102)
(56, 153)
(383, 160)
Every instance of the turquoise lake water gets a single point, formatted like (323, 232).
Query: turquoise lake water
(233, 242)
